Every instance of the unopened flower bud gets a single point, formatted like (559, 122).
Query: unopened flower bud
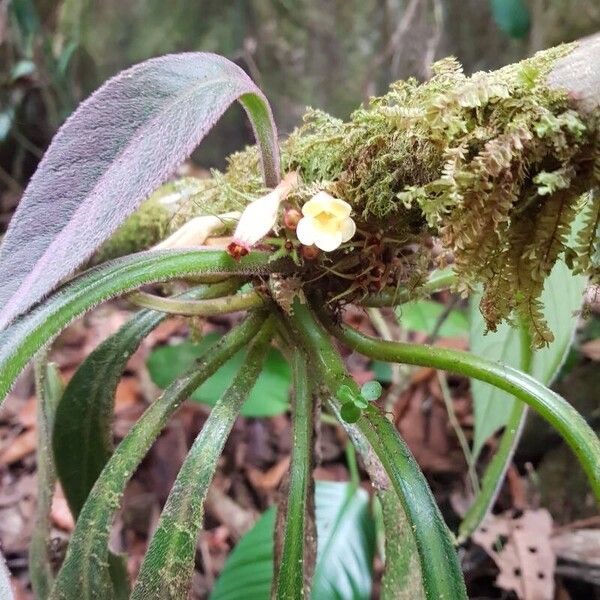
(291, 218)
(310, 252)
(260, 216)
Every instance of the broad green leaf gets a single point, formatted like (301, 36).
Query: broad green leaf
(49, 388)
(82, 439)
(166, 572)
(85, 574)
(268, 397)
(5, 587)
(119, 146)
(346, 543)
(561, 298)
(248, 572)
(423, 315)
(512, 17)
(23, 338)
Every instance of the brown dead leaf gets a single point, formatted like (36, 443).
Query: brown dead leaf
(61, 515)
(521, 549)
(27, 414)
(270, 479)
(127, 394)
(24, 444)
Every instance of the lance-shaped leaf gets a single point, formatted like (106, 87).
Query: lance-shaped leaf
(22, 339)
(82, 437)
(117, 147)
(85, 571)
(166, 572)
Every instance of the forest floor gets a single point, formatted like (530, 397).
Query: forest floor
(257, 456)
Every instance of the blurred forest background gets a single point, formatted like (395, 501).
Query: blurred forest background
(328, 54)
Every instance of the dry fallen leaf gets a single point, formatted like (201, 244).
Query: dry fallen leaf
(60, 513)
(271, 478)
(521, 549)
(24, 444)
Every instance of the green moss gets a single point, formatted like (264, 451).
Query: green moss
(493, 166)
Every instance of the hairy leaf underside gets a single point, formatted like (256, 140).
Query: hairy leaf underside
(119, 146)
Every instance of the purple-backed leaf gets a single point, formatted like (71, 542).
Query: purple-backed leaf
(117, 147)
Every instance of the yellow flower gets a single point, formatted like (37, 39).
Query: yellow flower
(260, 216)
(326, 222)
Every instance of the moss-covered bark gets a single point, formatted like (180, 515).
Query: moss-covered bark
(496, 166)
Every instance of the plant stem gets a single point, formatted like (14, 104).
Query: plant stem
(460, 434)
(168, 565)
(557, 411)
(496, 469)
(438, 280)
(49, 388)
(442, 577)
(198, 308)
(290, 582)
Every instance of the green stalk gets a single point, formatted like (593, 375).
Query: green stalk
(496, 469)
(401, 578)
(438, 280)
(21, 340)
(84, 574)
(167, 568)
(198, 308)
(49, 388)
(442, 577)
(290, 582)
(552, 407)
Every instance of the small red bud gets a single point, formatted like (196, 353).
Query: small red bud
(291, 218)
(236, 250)
(310, 252)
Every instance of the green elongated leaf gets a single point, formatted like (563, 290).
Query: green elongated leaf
(573, 428)
(442, 576)
(561, 298)
(22, 339)
(82, 439)
(119, 146)
(166, 572)
(5, 587)
(248, 572)
(346, 543)
(268, 397)
(402, 575)
(395, 538)
(293, 572)
(84, 574)
(423, 315)
(49, 388)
